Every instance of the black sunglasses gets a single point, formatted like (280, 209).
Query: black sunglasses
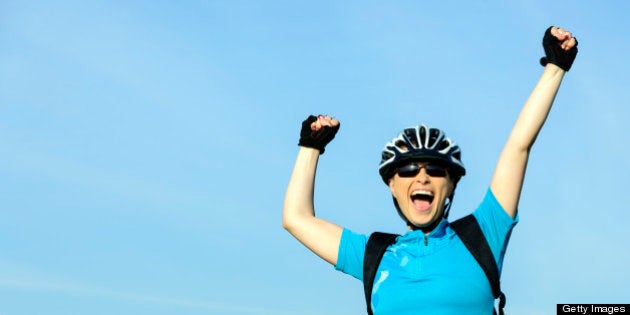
(412, 169)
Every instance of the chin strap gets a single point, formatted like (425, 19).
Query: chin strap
(447, 207)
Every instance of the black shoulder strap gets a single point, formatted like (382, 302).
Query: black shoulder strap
(376, 246)
(468, 230)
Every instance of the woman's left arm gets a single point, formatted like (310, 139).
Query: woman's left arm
(507, 181)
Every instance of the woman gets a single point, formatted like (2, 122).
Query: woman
(428, 269)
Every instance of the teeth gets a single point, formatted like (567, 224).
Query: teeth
(421, 193)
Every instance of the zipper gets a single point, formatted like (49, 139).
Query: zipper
(426, 240)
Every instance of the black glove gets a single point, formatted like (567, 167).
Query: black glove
(555, 54)
(316, 139)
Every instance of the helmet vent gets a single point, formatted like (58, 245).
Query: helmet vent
(433, 137)
(401, 145)
(458, 155)
(444, 145)
(411, 137)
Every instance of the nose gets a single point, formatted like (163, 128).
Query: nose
(422, 176)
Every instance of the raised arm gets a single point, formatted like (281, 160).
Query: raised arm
(507, 181)
(298, 214)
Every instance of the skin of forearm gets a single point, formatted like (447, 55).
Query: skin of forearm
(298, 201)
(298, 214)
(509, 174)
(536, 109)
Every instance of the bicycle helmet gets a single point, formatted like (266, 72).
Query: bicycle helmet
(421, 143)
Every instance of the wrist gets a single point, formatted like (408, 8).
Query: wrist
(309, 150)
(553, 69)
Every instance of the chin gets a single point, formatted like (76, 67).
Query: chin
(422, 223)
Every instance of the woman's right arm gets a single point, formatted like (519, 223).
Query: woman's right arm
(298, 214)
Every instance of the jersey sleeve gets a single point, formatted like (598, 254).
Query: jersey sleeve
(496, 225)
(351, 253)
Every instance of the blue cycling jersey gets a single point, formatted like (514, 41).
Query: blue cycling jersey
(435, 273)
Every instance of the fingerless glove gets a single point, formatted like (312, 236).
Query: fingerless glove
(555, 54)
(316, 139)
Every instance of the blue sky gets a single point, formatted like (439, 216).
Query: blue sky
(145, 146)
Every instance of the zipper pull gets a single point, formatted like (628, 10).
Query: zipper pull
(426, 241)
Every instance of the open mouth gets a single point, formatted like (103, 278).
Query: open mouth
(421, 199)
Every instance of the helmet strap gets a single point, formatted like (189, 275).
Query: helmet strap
(447, 206)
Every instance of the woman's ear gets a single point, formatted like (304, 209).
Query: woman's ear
(391, 185)
(451, 183)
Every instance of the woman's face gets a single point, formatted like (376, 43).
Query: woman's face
(421, 197)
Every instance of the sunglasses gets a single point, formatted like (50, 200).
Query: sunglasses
(412, 169)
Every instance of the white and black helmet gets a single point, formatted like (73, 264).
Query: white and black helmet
(421, 143)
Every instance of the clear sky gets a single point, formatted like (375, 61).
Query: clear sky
(145, 146)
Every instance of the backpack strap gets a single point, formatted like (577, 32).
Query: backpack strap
(374, 250)
(468, 230)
